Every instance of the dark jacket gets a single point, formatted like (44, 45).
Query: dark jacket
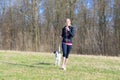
(67, 35)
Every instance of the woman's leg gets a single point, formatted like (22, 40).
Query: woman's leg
(69, 47)
(63, 62)
(64, 49)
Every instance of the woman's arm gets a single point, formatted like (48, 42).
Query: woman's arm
(71, 32)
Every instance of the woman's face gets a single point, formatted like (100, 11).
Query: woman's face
(68, 22)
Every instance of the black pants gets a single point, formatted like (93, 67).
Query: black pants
(66, 50)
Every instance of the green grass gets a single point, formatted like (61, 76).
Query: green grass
(40, 66)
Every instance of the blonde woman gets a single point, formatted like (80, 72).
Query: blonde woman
(67, 35)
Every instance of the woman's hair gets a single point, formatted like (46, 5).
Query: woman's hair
(68, 19)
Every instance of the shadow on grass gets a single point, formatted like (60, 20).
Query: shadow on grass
(43, 63)
(36, 65)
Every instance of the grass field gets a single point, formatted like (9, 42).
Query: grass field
(40, 66)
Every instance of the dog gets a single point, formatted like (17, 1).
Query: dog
(57, 58)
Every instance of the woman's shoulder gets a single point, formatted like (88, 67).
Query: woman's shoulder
(71, 27)
(64, 27)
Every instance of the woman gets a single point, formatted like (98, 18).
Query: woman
(67, 35)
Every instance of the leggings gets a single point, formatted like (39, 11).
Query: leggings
(66, 50)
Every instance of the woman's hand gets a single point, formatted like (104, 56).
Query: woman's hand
(67, 28)
(60, 36)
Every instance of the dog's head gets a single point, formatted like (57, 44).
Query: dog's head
(56, 52)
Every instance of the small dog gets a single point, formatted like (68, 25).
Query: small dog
(57, 58)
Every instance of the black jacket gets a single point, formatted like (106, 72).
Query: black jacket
(67, 36)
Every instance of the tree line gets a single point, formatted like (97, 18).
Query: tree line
(35, 25)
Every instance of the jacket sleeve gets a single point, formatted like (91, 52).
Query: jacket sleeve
(71, 32)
